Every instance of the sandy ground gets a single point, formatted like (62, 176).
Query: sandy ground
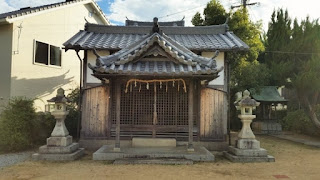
(293, 160)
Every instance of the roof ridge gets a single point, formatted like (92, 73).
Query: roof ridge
(31, 10)
(214, 29)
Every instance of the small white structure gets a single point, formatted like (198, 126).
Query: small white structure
(59, 146)
(247, 148)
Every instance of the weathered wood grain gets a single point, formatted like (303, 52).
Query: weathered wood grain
(212, 114)
(95, 112)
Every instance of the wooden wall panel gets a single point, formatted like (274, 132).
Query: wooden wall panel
(95, 112)
(213, 114)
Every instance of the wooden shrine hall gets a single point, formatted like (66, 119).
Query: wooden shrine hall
(152, 81)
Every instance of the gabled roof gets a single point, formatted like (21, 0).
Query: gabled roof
(182, 60)
(9, 17)
(199, 38)
(267, 94)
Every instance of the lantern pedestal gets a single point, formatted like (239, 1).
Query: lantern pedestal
(247, 148)
(59, 146)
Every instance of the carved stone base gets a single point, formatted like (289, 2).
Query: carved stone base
(248, 152)
(59, 141)
(248, 155)
(247, 144)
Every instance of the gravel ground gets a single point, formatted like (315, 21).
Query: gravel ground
(14, 158)
(293, 161)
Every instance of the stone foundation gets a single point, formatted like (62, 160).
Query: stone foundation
(59, 157)
(59, 141)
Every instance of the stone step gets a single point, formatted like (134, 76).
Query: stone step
(164, 161)
(154, 142)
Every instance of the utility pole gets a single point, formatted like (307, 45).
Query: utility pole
(244, 4)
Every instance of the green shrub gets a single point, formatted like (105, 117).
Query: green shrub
(43, 126)
(21, 127)
(73, 117)
(298, 121)
(72, 121)
(16, 124)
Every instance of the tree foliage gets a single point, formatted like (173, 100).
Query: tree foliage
(292, 53)
(21, 127)
(214, 14)
(72, 119)
(246, 30)
(246, 72)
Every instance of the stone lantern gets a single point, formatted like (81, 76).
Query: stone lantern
(59, 145)
(60, 134)
(247, 148)
(246, 105)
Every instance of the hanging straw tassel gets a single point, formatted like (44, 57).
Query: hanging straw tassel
(173, 83)
(160, 84)
(166, 86)
(178, 86)
(135, 83)
(155, 87)
(147, 85)
(140, 88)
(130, 87)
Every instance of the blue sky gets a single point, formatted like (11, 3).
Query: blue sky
(168, 10)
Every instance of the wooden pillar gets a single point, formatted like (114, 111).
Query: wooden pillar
(154, 111)
(118, 97)
(190, 115)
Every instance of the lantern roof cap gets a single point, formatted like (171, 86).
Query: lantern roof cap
(247, 100)
(60, 97)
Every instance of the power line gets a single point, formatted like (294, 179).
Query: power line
(290, 52)
(182, 11)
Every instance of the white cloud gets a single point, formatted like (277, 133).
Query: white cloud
(296, 9)
(30, 3)
(4, 7)
(11, 5)
(144, 10)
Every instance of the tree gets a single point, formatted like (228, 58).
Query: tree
(244, 62)
(247, 31)
(246, 71)
(305, 72)
(277, 38)
(197, 19)
(214, 14)
(294, 59)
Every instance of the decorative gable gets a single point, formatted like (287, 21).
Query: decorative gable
(155, 54)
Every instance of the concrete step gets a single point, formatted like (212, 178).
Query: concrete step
(165, 161)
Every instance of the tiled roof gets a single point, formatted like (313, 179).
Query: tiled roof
(183, 61)
(267, 94)
(30, 10)
(156, 68)
(116, 41)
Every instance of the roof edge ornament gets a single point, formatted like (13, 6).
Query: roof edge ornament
(98, 61)
(216, 54)
(226, 24)
(155, 28)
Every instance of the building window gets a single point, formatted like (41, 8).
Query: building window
(47, 54)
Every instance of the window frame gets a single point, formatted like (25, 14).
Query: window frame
(48, 58)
